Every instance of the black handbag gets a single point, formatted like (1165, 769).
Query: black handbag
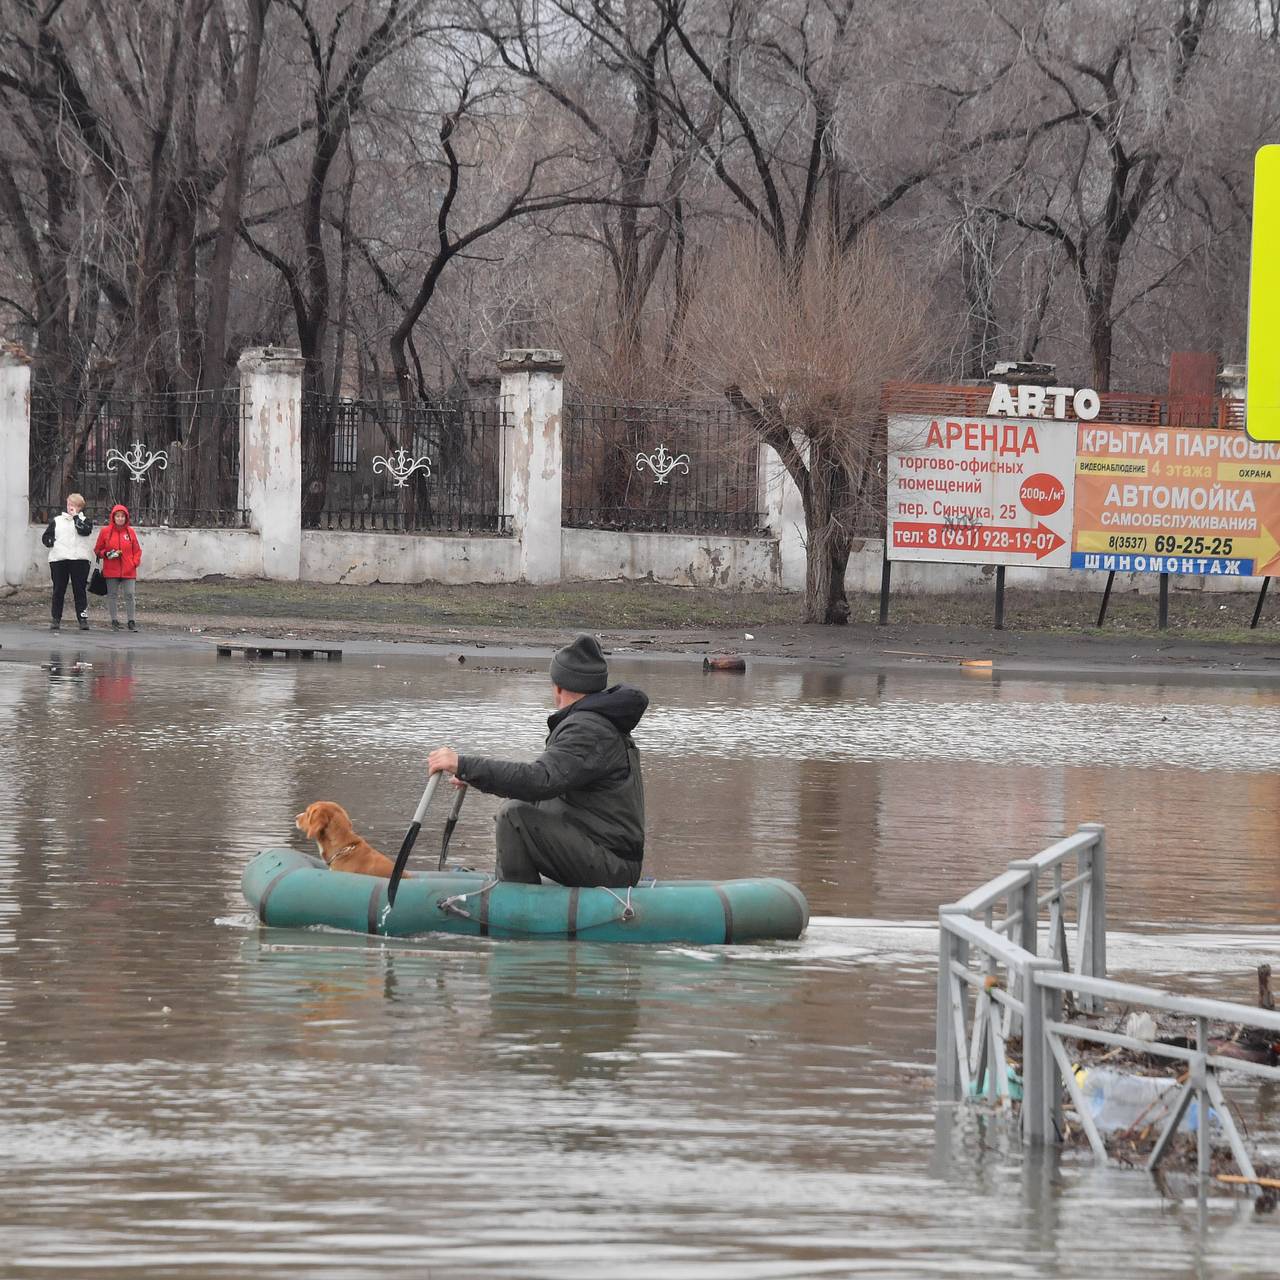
(97, 583)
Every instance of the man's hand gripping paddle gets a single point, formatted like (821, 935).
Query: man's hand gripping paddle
(410, 836)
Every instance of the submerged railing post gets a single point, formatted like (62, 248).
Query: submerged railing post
(1039, 1070)
(946, 1046)
(1028, 908)
(1095, 963)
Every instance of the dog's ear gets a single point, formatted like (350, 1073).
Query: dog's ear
(313, 820)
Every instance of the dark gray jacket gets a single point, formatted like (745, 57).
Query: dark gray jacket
(589, 772)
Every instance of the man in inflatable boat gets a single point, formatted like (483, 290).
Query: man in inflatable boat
(576, 813)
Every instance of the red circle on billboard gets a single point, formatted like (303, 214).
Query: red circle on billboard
(1042, 494)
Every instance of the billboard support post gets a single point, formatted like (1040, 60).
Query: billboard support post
(1106, 597)
(1257, 613)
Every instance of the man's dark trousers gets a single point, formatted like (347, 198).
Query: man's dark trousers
(533, 843)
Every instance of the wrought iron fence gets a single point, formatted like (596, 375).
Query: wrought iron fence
(382, 465)
(172, 459)
(659, 468)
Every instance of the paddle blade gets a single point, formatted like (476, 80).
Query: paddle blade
(450, 823)
(401, 859)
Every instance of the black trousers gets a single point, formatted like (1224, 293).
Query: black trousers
(75, 572)
(533, 843)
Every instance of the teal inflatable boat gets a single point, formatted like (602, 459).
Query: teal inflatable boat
(292, 889)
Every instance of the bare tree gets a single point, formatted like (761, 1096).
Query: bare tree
(1124, 78)
(803, 354)
(603, 64)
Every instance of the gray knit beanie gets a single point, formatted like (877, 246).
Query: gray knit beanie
(580, 667)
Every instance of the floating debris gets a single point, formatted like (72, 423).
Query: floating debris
(724, 664)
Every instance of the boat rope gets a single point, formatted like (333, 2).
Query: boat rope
(628, 911)
(452, 905)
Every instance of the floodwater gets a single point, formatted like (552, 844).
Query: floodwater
(186, 1095)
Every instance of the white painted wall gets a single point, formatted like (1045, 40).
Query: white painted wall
(399, 557)
(734, 564)
(532, 399)
(271, 455)
(784, 512)
(15, 443)
(742, 564)
(176, 554)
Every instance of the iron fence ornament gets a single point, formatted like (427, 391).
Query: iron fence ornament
(400, 466)
(662, 464)
(138, 459)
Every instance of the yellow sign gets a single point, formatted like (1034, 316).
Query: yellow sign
(1262, 403)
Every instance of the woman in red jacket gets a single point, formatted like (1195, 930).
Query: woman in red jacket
(120, 552)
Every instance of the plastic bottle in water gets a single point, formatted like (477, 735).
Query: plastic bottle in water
(1121, 1100)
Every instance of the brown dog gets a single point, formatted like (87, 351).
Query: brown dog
(342, 850)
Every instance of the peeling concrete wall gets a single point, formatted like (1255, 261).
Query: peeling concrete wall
(391, 557)
(784, 513)
(15, 439)
(271, 455)
(733, 564)
(167, 553)
(686, 560)
(533, 397)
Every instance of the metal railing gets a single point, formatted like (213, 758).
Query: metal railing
(172, 459)
(988, 947)
(381, 465)
(659, 467)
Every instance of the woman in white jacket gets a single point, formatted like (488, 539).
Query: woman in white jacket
(70, 559)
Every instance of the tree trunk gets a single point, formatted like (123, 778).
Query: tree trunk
(215, 332)
(977, 272)
(827, 549)
(1100, 300)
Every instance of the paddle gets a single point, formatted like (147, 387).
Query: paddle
(410, 836)
(450, 823)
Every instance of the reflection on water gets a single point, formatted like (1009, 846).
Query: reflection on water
(202, 1099)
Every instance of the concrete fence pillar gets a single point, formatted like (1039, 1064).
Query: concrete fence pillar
(784, 514)
(271, 455)
(15, 462)
(532, 400)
